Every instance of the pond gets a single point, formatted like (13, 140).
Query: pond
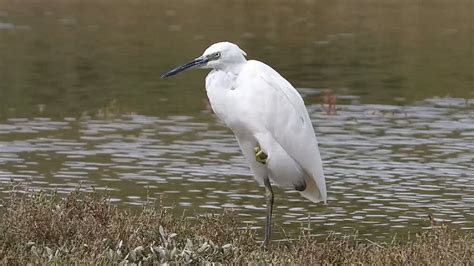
(82, 102)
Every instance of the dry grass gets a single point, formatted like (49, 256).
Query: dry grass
(87, 228)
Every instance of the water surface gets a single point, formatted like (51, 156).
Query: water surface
(81, 102)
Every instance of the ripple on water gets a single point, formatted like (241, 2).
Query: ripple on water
(387, 167)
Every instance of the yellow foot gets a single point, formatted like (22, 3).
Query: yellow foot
(260, 156)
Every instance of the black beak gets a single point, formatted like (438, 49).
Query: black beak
(193, 64)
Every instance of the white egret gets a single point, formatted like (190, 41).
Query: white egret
(269, 119)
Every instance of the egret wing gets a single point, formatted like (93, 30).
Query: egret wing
(282, 111)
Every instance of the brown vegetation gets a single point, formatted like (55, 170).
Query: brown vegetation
(87, 228)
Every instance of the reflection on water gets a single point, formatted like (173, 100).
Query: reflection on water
(76, 55)
(387, 166)
(81, 101)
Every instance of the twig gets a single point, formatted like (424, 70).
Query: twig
(373, 243)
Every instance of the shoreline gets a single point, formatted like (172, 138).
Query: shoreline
(40, 227)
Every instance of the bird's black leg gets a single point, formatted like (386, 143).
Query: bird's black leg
(268, 225)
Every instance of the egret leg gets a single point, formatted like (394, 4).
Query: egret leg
(268, 224)
(260, 156)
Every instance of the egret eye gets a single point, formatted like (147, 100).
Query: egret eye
(214, 56)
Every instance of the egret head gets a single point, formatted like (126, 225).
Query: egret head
(221, 55)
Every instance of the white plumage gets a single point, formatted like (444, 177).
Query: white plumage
(260, 106)
(263, 109)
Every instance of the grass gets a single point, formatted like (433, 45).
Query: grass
(39, 228)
